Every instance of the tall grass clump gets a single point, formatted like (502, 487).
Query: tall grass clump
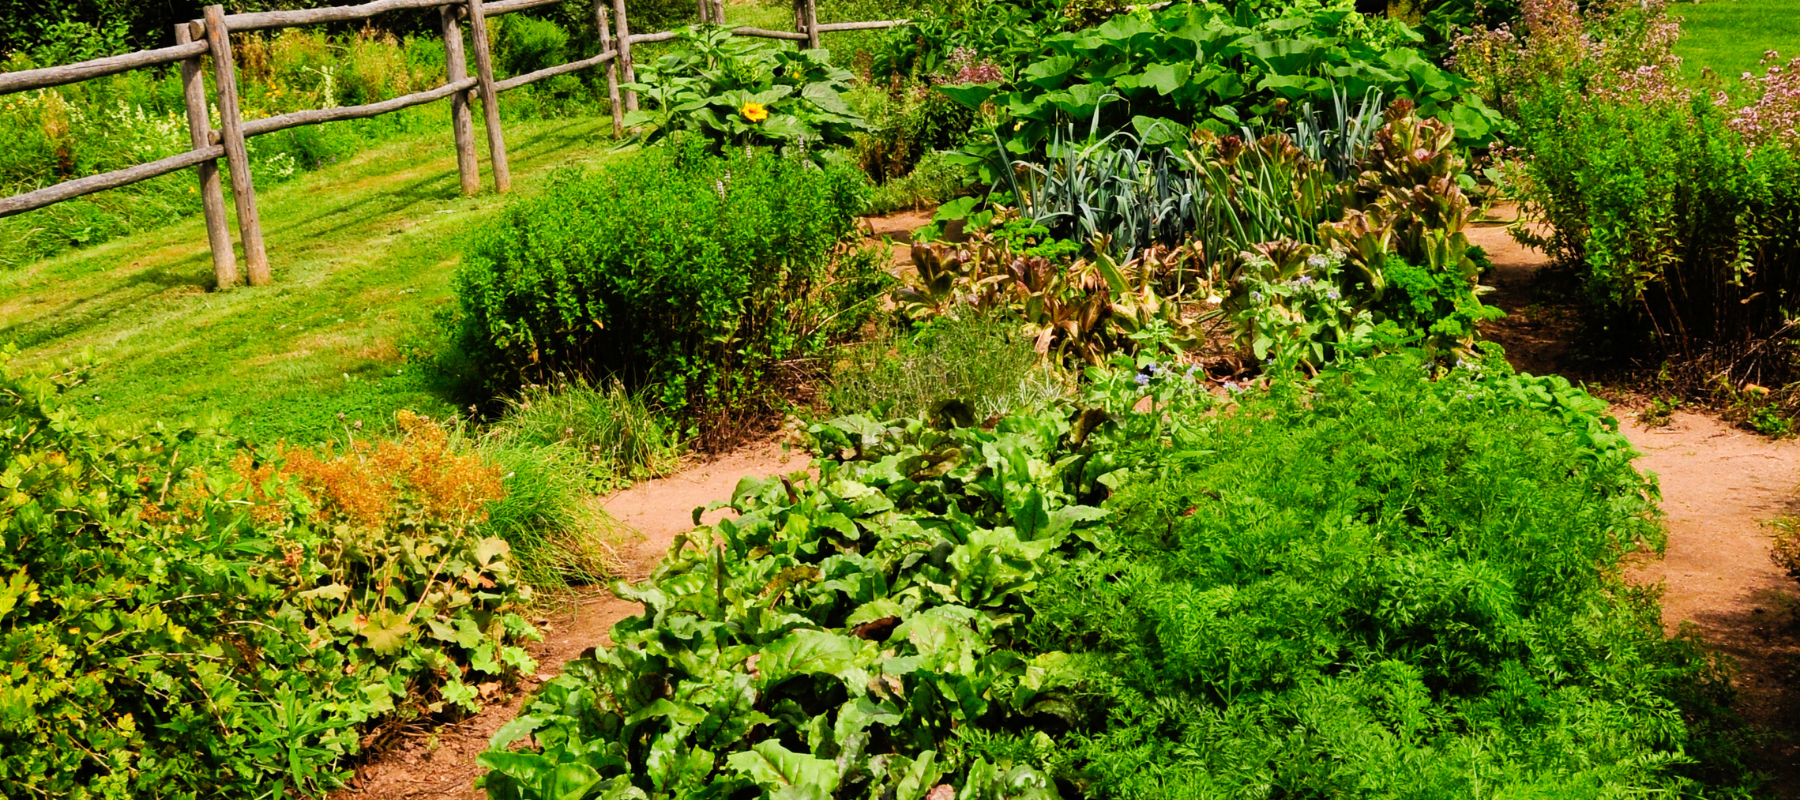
(617, 433)
(558, 447)
(557, 538)
(985, 361)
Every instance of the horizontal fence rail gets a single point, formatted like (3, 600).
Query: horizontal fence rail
(518, 5)
(265, 20)
(551, 72)
(863, 26)
(99, 68)
(769, 34)
(18, 204)
(210, 37)
(258, 127)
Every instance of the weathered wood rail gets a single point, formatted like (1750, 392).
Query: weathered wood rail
(210, 36)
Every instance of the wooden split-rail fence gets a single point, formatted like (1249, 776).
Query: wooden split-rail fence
(211, 36)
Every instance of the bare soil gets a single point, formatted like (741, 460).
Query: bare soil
(1720, 486)
(898, 227)
(440, 764)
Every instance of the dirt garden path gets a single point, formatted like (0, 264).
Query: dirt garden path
(441, 765)
(1720, 484)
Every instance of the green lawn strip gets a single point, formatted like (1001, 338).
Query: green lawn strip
(362, 254)
(1730, 36)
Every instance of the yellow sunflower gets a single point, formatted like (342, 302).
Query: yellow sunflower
(755, 112)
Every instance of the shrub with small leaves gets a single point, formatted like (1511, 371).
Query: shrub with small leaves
(705, 279)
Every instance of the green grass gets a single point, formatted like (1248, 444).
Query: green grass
(363, 253)
(1730, 36)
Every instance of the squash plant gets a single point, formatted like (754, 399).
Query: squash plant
(1164, 73)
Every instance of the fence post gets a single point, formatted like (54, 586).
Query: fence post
(237, 157)
(490, 99)
(718, 11)
(625, 65)
(799, 16)
(212, 194)
(812, 24)
(456, 68)
(705, 11)
(612, 68)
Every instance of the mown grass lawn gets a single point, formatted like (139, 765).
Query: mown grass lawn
(1730, 36)
(363, 254)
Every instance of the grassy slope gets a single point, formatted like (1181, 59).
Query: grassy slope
(1730, 36)
(362, 252)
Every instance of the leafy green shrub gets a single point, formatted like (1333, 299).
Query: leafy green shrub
(983, 361)
(1680, 233)
(933, 181)
(906, 122)
(737, 91)
(1675, 209)
(963, 41)
(186, 618)
(525, 44)
(1370, 581)
(696, 276)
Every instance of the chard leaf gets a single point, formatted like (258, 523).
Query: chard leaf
(773, 767)
(810, 652)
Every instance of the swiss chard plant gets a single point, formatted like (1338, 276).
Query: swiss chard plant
(1080, 309)
(830, 639)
